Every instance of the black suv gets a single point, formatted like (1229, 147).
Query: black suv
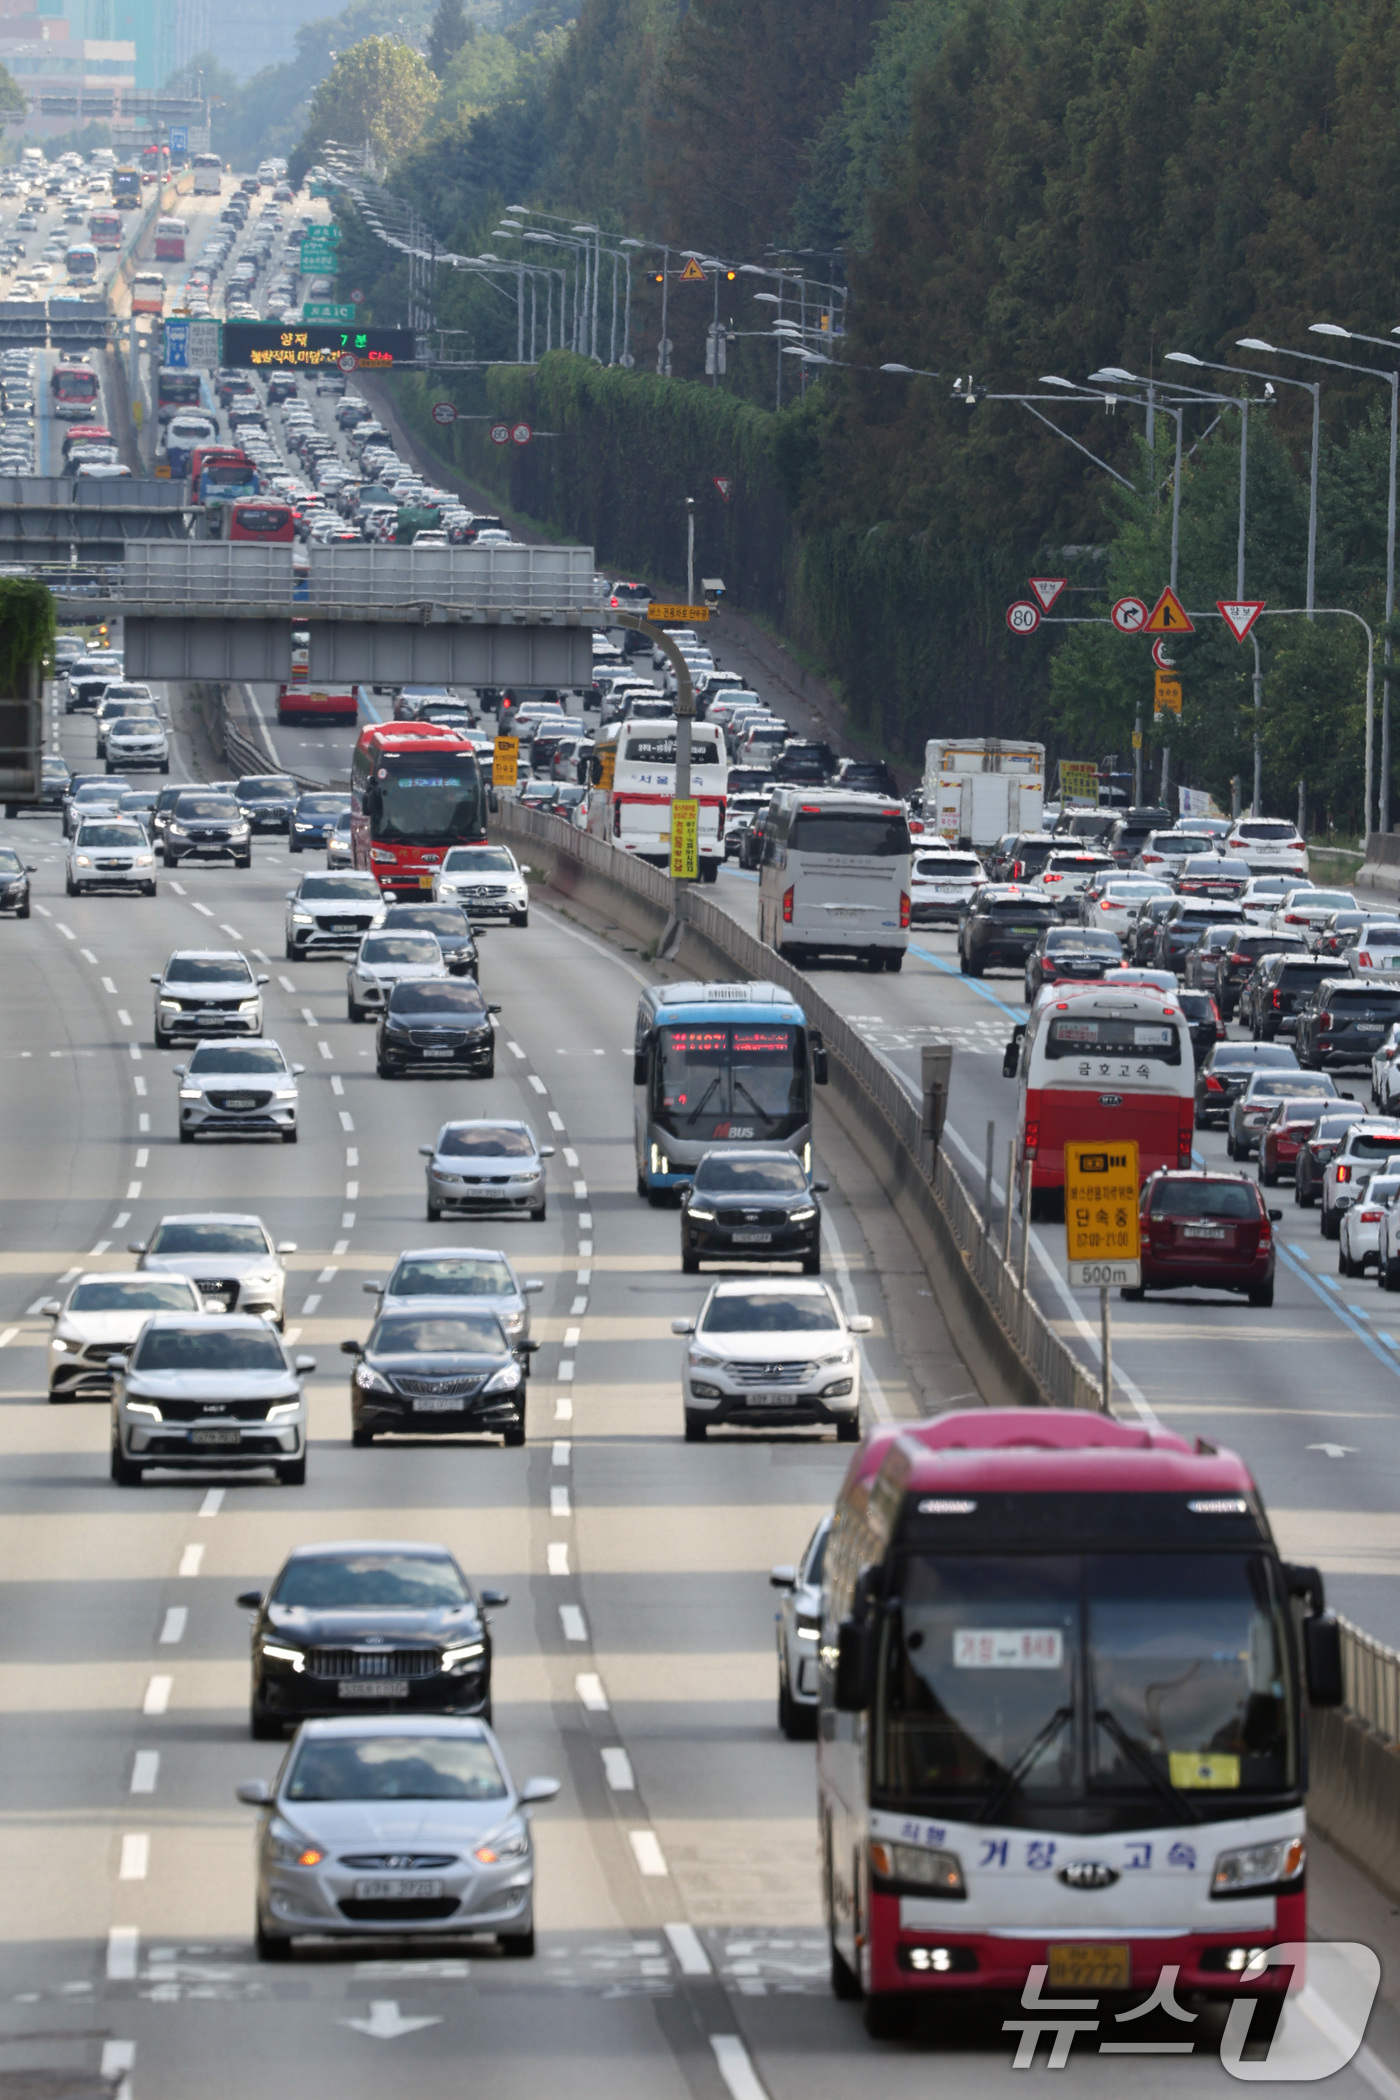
(1132, 831)
(805, 763)
(1069, 954)
(1140, 939)
(1001, 925)
(1238, 963)
(1182, 926)
(1227, 1072)
(866, 776)
(1344, 1020)
(267, 800)
(1281, 988)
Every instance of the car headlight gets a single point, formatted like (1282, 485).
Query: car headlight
(283, 1410)
(57, 1343)
(147, 1408)
(234, 829)
(705, 1363)
(458, 1661)
(144, 860)
(249, 1006)
(511, 1844)
(259, 1279)
(505, 1380)
(170, 1006)
(706, 1217)
(300, 917)
(369, 1380)
(285, 1093)
(191, 1093)
(274, 1652)
(512, 1322)
(1258, 1866)
(177, 831)
(289, 1848)
(804, 1217)
(842, 1356)
(82, 861)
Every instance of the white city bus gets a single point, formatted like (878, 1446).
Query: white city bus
(634, 812)
(834, 876)
(208, 174)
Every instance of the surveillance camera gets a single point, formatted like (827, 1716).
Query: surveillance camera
(713, 587)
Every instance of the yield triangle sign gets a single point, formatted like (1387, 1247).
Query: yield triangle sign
(723, 483)
(1239, 614)
(692, 273)
(1047, 589)
(1168, 616)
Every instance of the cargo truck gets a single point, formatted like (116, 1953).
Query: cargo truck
(976, 789)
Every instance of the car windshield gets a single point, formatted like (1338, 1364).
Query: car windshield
(1072, 941)
(449, 1334)
(396, 1768)
(132, 1294)
(485, 1141)
(1250, 1057)
(762, 1312)
(855, 834)
(1265, 830)
(100, 791)
(429, 799)
(1064, 1677)
(401, 948)
(219, 809)
(110, 835)
(371, 1581)
(758, 1073)
(732, 1174)
(463, 1000)
(209, 1348)
(478, 860)
(1083, 1037)
(239, 1057)
(1204, 1199)
(10, 862)
(343, 889)
(268, 787)
(453, 1276)
(320, 805)
(207, 969)
(201, 1236)
(1286, 1086)
(1372, 1144)
(445, 919)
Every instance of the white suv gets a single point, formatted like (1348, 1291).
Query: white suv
(1267, 844)
(1364, 1151)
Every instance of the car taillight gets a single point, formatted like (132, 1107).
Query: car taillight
(1236, 843)
(1297, 845)
(1370, 1217)
(915, 827)
(1213, 1085)
(1048, 879)
(1364, 959)
(1018, 871)
(1032, 1139)
(1187, 1119)
(904, 910)
(787, 907)
(1107, 905)
(1278, 998)
(1324, 1020)
(1219, 1024)
(1344, 1173)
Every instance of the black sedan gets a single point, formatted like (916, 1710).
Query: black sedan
(437, 1371)
(268, 800)
(1070, 955)
(436, 1026)
(455, 933)
(1227, 1072)
(1203, 1019)
(748, 1205)
(313, 820)
(1001, 925)
(14, 882)
(369, 1627)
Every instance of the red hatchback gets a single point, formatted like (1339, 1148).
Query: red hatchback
(1283, 1138)
(1208, 1230)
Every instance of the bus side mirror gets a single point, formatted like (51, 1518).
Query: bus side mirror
(1011, 1058)
(639, 1068)
(818, 1058)
(493, 801)
(1322, 1659)
(852, 1667)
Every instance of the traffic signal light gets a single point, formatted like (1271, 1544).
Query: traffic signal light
(102, 632)
(731, 275)
(658, 277)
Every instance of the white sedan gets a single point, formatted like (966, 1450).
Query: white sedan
(777, 1352)
(1385, 1080)
(1305, 910)
(100, 1317)
(941, 885)
(110, 853)
(1362, 1225)
(1116, 905)
(1263, 896)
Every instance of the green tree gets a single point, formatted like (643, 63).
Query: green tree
(450, 31)
(377, 96)
(12, 102)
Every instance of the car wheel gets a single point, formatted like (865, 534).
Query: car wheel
(56, 1399)
(1331, 1227)
(1345, 1266)
(261, 1726)
(70, 886)
(845, 1984)
(537, 1217)
(513, 1438)
(517, 1946)
(962, 960)
(887, 2016)
(794, 1720)
(383, 1070)
(520, 918)
(293, 846)
(186, 1135)
(361, 1438)
(268, 1946)
(975, 966)
(894, 959)
(1390, 1281)
(1304, 1198)
(289, 1137)
(124, 1472)
(812, 1263)
(1230, 1152)
(690, 1263)
(23, 912)
(488, 1071)
(243, 860)
(148, 889)
(1133, 1292)
(293, 953)
(695, 1426)
(1262, 1294)
(848, 1432)
(292, 1472)
(353, 1012)
(1270, 1181)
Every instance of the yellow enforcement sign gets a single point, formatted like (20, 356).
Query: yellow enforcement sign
(1166, 693)
(607, 766)
(1101, 1213)
(678, 615)
(1137, 740)
(505, 761)
(685, 841)
(162, 470)
(1079, 777)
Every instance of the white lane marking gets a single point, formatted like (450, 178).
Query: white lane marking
(123, 1943)
(136, 1857)
(347, 1221)
(143, 1157)
(328, 1275)
(140, 1085)
(191, 1560)
(515, 1050)
(589, 1686)
(145, 1770)
(231, 931)
(617, 1767)
(157, 1699)
(580, 1305)
(179, 888)
(177, 1618)
(340, 1247)
(308, 1017)
(1380, 2079)
(571, 1337)
(8, 1336)
(581, 1191)
(36, 1307)
(286, 984)
(585, 1246)
(69, 1274)
(559, 1502)
(213, 1502)
(573, 1622)
(143, 1122)
(556, 1121)
(108, 986)
(585, 1224)
(124, 1018)
(337, 1084)
(584, 1276)
(101, 1248)
(311, 1304)
(562, 1447)
(66, 931)
(599, 948)
(202, 908)
(557, 1557)
(736, 2068)
(646, 1850)
(121, 1220)
(259, 954)
(352, 1157)
(347, 1121)
(133, 1190)
(352, 1190)
(537, 1083)
(43, 911)
(325, 1050)
(690, 1954)
(119, 2057)
(293, 1334)
(135, 1049)
(563, 1410)
(570, 1156)
(88, 956)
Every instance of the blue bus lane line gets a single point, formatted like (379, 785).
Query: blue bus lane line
(1015, 1013)
(1350, 1320)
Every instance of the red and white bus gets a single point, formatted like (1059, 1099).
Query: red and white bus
(263, 520)
(299, 701)
(1100, 1063)
(633, 811)
(170, 240)
(415, 791)
(1061, 1731)
(105, 229)
(76, 393)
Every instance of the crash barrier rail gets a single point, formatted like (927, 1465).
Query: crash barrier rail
(244, 754)
(1371, 1683)
(1353, 1777)
(993, 1319)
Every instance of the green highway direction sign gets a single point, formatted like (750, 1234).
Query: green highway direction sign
(323, 310)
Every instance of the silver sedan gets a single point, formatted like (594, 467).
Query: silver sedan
(486, 1166)
(482, 1275)
(387, 959)
(393, 1826)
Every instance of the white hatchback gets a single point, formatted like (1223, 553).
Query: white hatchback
(1118, 904)
(1266, 844)
(941, 885)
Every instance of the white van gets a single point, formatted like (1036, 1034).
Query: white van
(834, 876)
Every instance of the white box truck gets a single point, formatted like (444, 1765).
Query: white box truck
(978, 788)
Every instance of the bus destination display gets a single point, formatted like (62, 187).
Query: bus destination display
(268, 346)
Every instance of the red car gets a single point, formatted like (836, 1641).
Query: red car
(1207, 1230)
(1283, 1138)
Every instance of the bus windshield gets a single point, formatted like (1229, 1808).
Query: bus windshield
(429, 801)
(706, 1075)
(880, 834)
(74, 383)
(1069, 1680)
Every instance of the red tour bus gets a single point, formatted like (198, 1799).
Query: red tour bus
(105, 229)
(1061, 1719)
(75, 392)
(170, 240)
(263, 520)
(1100, 1063)
(415, 791)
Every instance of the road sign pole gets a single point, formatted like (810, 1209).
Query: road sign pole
(1106, 1326)
(1025, 1225)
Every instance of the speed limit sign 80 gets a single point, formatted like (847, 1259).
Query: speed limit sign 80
(1023, 617)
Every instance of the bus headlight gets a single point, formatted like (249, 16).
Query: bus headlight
(1258, 1866)
(940, 1871)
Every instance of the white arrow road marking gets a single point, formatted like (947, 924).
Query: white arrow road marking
(386, 2023)
(1334, 1450)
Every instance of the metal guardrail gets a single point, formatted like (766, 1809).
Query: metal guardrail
(1056, 1371)
(1371, 1683)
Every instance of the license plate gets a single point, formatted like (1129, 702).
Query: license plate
(374, 1687)
(437, 1053)
(239, 1101)
(437, 1405)
(214, 1436)
(1093, 1968)
(1369, 1027)
(1203, 1232)
(1024, 933)
(752, 1239)
(425, 882)
(395, 1891)
(770, 1399)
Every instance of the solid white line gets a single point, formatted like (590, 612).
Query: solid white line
(123, 1942)
(646, 1850)
(617, 1767)
(557, 1556)
(177, 1618)
(136, 1856)
(191, 1560)
(690, 1955)
(537, 1083)
(559, 1502)
(572, 1621)
(589, 1687)
(562, 1446)
(736, 2068)
(556, 1121)
(145, 1770)
(213, 1502)
(157, 1699)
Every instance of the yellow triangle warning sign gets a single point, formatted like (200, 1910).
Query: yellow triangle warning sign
(1168, 616)
(692, 273)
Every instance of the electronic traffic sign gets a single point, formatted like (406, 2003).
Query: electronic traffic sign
(271, 345)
